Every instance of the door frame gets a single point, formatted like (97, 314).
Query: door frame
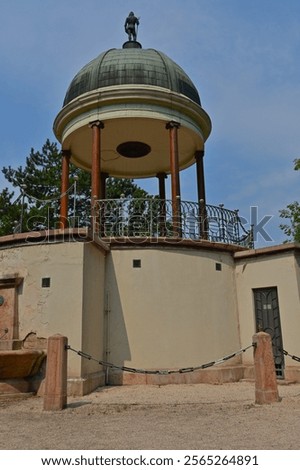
(270, 323)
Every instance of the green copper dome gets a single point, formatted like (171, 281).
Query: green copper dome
(128, 66)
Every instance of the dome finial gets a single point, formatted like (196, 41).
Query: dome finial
(131, 26)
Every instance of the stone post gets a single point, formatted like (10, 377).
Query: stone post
(55, 396)
(266, 390)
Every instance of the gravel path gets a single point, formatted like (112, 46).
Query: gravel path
(156, 417)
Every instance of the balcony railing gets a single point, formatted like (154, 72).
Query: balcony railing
(153, 218)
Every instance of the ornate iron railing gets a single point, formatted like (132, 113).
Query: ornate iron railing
(144, 218)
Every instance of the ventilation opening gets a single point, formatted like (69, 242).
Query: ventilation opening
(136, 263)
(46, 281)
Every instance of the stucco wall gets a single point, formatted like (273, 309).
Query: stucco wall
(176, 310)
(272, 270)
(54, 309)
(93, 307)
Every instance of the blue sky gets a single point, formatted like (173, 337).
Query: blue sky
(242, 55)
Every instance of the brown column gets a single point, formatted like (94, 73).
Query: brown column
(161, 184)
(199, 156)
(162, 204)
(102, 207)
(173, 127)
(64, 198)
(96, 127)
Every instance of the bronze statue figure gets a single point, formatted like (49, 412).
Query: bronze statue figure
(131, 26)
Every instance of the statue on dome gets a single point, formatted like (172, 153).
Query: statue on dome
(131, 26)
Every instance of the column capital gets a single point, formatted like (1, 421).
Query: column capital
(96, 123)
(66, 153)
(162, 174)
(199, 154)
(172, 125)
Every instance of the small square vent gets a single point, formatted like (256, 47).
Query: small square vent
(136, 263)
(46, 281)
(218, 267)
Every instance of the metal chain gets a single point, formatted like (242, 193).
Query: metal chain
(296, 358)
(160, 372)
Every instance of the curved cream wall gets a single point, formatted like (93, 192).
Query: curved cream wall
(175, 311)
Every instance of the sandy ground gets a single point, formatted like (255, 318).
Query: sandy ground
(156, 417)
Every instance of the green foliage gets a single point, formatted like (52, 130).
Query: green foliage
(292, 216)
(120, 187)
(297, 164)
(292, 228)
(38, 183)
(9, 212)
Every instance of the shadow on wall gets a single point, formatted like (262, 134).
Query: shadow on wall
(116, 342)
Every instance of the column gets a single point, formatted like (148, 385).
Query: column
(96, 127)
(173, 127)
(162, 204)
(64, 198)
(199, 156)
(161, 185)
(102, 208)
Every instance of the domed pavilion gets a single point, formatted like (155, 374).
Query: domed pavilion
(154, 290)
(134, 113)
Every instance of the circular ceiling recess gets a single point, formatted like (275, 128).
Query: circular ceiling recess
(133, 149)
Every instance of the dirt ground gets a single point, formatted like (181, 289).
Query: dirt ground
(156, 417)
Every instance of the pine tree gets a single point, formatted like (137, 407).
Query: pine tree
(9, 213)
(38, 187)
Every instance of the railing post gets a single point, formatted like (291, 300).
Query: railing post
(266, 390)
(55, 396)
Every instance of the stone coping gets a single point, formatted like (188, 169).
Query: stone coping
(84, 235)
(267, 251)
(152, 242)
(81, 235)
